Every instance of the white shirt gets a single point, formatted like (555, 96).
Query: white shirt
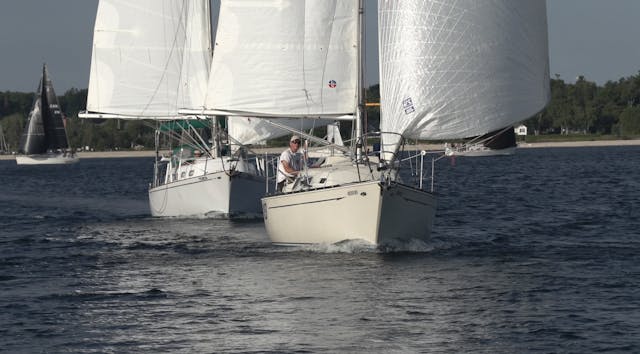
(295, 161)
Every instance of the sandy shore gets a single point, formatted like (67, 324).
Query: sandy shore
(581, 143)
(273, 150)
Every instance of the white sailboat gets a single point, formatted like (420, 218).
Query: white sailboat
(150, 59)
(292, 59)
(4, 146)
(44, 140)
(295, 59)
(448, 71)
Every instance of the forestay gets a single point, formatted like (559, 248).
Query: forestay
(285, 58)
(149, 57)
(455, 69)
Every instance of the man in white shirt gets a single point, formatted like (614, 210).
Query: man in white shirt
(291, 163)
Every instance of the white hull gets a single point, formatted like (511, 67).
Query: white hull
(46, 159)
(189, 191)
(215, 194)
(479, 152)
(368, 211)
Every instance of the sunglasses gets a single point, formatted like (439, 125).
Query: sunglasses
(296, 141)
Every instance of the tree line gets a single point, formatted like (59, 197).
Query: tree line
(94, 134)
(580, 108)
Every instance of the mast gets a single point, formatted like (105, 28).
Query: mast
(215, 138)
(214, 149)
(360, 110)
(45, 112)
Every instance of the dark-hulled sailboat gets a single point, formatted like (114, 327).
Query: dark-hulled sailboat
(44, 140)
(496, 143)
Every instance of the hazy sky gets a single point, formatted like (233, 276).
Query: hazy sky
(599, 39)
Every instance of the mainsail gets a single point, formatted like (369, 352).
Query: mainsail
(150, 58)
(285, 58)
(456, 69)
(45, 126)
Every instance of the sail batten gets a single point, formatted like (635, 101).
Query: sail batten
(452, 70)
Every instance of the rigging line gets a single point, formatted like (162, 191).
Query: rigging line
(187, 139)
(307, 136)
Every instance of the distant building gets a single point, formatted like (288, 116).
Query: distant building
(521, 130)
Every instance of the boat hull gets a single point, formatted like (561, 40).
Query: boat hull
(371, 211)
(46, 159)
(218, 194)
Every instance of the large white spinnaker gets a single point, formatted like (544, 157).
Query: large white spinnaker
(285, 58)
(455, 69)
(149, 58)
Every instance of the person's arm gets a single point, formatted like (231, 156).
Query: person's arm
(288, 168)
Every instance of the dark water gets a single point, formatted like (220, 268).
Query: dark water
(537, 252)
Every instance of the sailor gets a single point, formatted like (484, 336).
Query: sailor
(291, 163)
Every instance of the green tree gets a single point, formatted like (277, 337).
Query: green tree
(630, 121)
(372, 96)
(606, 109)
(15, 102)
(558, 114)
(73, 101)
(583, 93)
(12, 127)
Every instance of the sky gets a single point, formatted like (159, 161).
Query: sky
(599, 39)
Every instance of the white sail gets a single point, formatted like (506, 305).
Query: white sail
(286, 58)
(149, 57)
(251, 130)
(333, 134)
(455, 69)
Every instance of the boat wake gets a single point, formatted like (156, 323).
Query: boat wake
(216, 215)
(361, 246)
(346, 246)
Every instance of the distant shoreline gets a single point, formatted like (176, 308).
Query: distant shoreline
(523, 145)
(580, 143)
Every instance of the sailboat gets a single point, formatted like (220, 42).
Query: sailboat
(480, 67)
(44, 140)
(4, 146)
(298, 59)
(150, 59)
(497, 143)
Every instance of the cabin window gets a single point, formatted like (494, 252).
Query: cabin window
(191, 173)
(183, 174)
